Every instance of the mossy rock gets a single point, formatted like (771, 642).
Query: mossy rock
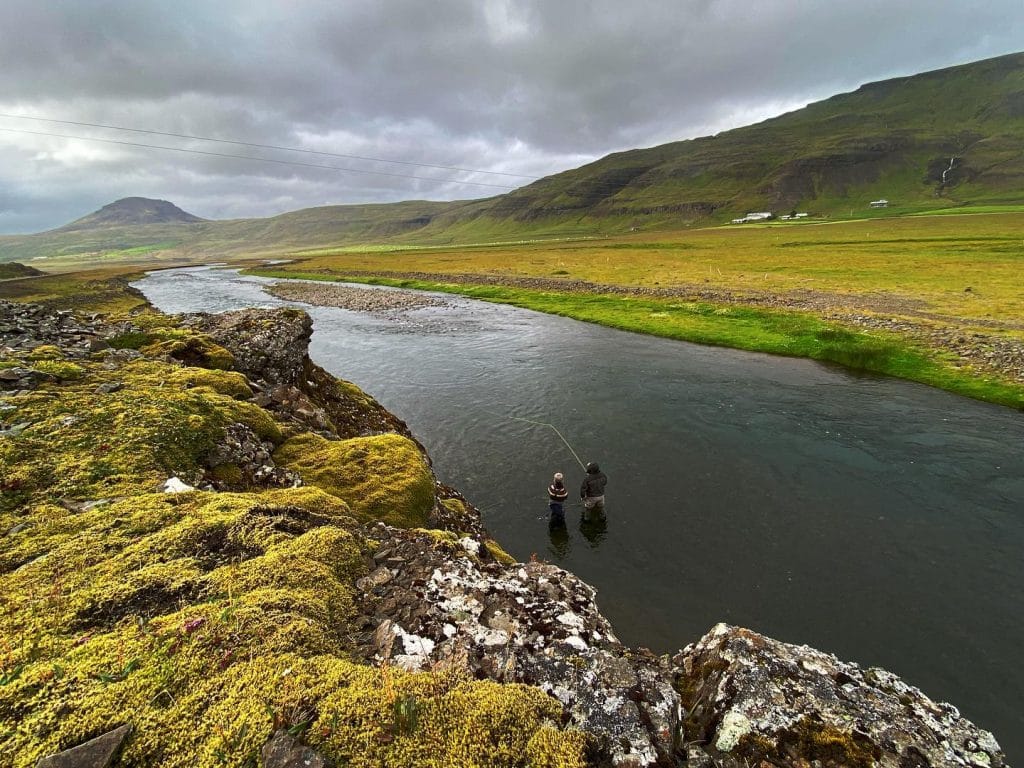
(384, 477)
(46, 352)
(228, 383)
(192, 349)
(498, 553)
(59, 369)
(86, 446)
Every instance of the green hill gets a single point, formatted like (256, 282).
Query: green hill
(13, 270)
(952, 138)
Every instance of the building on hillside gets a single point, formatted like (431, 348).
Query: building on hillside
(883, 203)
(801, 216)
(755, 216)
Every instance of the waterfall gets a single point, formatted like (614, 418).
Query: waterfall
(952, 160)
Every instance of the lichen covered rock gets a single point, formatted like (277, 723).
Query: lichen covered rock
(753, 700)
(438, 599)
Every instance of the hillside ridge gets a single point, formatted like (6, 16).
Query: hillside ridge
(948, 138)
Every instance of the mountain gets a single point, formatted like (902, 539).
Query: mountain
(945, 138)
(132, 211)
(949, 138)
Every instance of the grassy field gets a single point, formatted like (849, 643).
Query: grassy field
(923, 262)
(91, 290)
(919, 268)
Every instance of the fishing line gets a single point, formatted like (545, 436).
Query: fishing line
(543, 424)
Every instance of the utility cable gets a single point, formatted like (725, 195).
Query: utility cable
(257, 159)
(265, 146)
(593, 185)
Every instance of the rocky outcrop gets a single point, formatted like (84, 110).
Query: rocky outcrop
(271, 348)
(752, 700)
(268, 345)
(24, 327)
(450, 602)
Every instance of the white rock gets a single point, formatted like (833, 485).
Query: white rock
(175, 485)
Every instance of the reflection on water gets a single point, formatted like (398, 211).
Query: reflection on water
(558, 533)
(876, 519)
(594, 526)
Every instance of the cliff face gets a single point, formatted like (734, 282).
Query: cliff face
(310, 595)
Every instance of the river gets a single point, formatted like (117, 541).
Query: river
(874, 518)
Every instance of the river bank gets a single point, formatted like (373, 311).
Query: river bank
(881, 334)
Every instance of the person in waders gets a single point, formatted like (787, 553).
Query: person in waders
(592, 490)
(557, 494)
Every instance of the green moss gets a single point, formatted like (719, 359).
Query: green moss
(229, 475)
(228, 383)
(84, 445)
(384, 477)
(210, 620)
(59, 369)
(498, 553)
(190, 348)
(818, 741)
(551, 748)
(46, 352)
(130, 340)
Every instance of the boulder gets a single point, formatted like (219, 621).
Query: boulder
(97, 753)
(754, 701)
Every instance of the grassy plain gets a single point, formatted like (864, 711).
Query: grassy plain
(775, 288)
(90, 290)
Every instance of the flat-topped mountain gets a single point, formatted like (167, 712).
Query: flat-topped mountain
(129, 211)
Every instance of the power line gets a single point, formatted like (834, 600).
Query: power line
(257, 159)
(265, 146)
(594, 185)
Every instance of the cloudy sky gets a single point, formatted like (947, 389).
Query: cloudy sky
(484, 87)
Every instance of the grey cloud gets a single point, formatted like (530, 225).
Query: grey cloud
(531, 86)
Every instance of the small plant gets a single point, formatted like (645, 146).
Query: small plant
(405, 711)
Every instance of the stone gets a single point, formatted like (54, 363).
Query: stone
(285, 751)
(752, 699)
(109, 387)
(380, 576)
(97, 753)
(175, 485)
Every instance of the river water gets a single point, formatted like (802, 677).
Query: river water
(877, 519)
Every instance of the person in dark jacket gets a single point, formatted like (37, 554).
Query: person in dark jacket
(557, 494)
(592, 490)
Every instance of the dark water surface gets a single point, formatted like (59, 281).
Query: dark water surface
(877, 519)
